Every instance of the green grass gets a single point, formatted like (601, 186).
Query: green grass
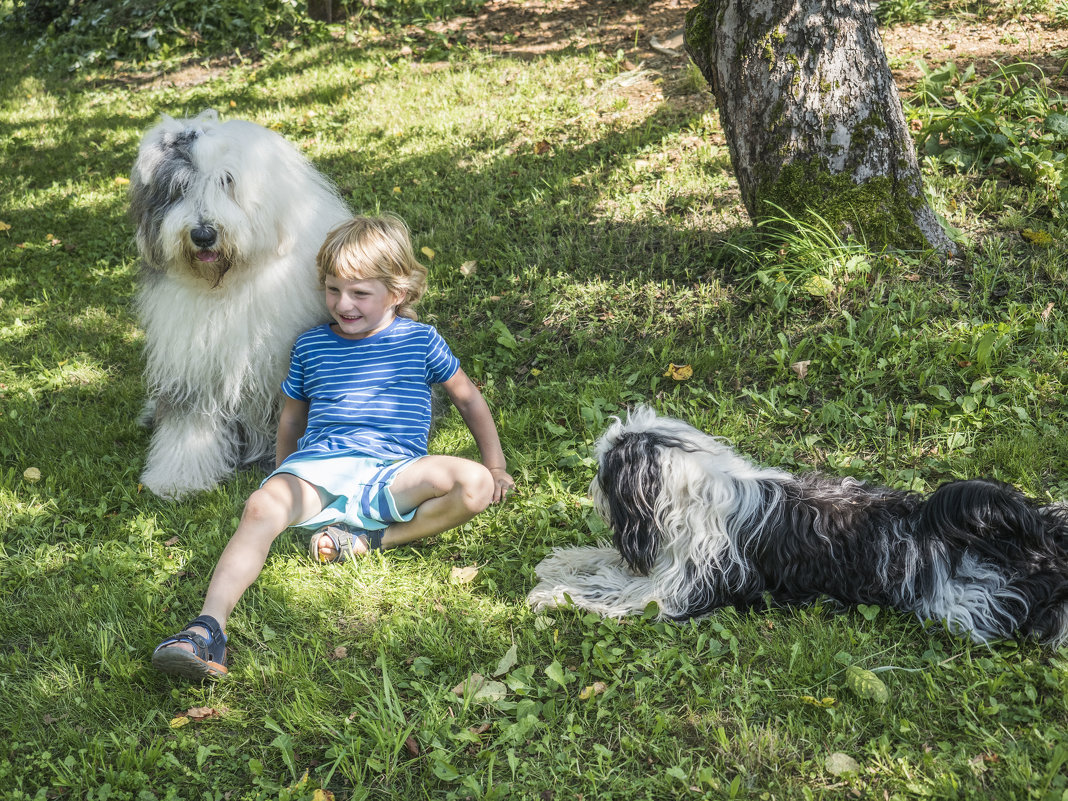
(602, 259)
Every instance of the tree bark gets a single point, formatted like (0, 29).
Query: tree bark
(322, 10)
(812, 116)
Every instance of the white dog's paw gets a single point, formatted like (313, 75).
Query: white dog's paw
(188, 454)
(172, 484)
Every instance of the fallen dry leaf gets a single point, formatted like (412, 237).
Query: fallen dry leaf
(202, 712)
(172, 541)
(839, 763)
(340, 652)
(464, 575)
(542, 147)
(31, 474)
(801, 368)
(412, 746)
(428, 252)
(596, 688)
(679, 372)
(468, 268)
(479, 688)
(473, 683)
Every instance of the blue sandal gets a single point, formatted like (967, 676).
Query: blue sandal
(208, 657)
(342, 537)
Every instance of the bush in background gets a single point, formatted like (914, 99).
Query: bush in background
(79, 33)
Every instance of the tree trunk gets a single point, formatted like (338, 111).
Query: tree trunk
(322, 10)
(812, 116)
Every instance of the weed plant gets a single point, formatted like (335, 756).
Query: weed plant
(608, 244)
(1010, 122)
(892, 12)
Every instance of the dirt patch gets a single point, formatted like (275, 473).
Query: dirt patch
(193, 72)
(985, 42)
(536, 28)
(651, 33)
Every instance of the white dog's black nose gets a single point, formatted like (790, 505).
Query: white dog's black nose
(203, 236)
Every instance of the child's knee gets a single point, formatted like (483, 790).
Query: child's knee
(260, 506)
(475, 483)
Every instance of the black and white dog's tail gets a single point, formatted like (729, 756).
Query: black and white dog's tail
(697, 527)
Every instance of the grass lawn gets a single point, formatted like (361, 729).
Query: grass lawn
(595, 195)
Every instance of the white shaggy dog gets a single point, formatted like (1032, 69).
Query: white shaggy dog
(229, 219)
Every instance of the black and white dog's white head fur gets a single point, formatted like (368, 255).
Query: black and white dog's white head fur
(699, 527)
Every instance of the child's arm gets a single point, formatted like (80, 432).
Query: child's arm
(291, 425)
(475, 412)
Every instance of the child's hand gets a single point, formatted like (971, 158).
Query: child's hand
(502, 483)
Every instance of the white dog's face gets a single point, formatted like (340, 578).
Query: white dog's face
(202, 199)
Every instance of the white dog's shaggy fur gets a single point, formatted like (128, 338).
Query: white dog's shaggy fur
(229, 219)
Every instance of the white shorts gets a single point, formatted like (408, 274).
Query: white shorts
(354, 489)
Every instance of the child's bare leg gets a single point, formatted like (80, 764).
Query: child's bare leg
(282, 501)
(445, 491)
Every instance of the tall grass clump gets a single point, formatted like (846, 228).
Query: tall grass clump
(784, 255)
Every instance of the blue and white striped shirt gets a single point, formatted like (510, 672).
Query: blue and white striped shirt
(368, 396)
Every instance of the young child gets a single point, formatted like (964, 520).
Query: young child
(352, 438)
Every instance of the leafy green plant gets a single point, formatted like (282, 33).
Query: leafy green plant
(90, 32)
(1009, 122)
(893, 12)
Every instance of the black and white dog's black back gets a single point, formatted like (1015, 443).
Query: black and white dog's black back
(699, 527)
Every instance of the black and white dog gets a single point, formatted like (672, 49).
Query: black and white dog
(699, 527)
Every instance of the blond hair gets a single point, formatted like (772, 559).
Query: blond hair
(378, 248)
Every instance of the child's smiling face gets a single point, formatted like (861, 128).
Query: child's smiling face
(360, 307)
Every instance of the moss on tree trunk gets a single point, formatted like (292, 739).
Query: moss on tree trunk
(812, 116)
